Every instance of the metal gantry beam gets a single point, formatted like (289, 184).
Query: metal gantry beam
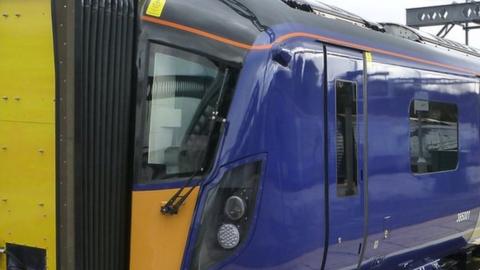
(441, 15)
(448, 16)
(445, 30)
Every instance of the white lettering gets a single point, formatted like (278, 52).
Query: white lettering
(463, 216)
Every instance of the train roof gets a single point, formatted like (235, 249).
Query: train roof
(245, 25)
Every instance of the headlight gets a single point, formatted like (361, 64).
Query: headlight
(227, 216)
(228, 236)
(235, 208)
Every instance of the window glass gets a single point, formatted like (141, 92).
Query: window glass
(346, 141)
(183, 93)
(433, 136)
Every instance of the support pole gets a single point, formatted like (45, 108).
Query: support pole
(466, 33)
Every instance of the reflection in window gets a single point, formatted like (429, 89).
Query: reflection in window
(183, 93)
(433, 136)
(346, 101)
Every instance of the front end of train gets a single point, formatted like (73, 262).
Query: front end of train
(198, 182)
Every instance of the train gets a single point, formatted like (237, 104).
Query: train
(233, 134)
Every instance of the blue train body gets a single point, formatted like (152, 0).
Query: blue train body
(283, 113)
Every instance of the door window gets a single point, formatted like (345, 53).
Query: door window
(346, 139)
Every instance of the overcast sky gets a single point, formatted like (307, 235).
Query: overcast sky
(394, 11)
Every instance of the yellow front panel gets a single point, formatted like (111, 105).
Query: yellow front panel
(27, 126)
(158, 241)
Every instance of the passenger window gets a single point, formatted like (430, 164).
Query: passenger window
(346, 141)
(433, 136)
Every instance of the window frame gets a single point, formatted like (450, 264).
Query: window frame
(142, 110)
(412, 101)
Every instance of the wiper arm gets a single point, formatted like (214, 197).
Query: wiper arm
(177, 200)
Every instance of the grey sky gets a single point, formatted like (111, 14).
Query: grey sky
(394, 11)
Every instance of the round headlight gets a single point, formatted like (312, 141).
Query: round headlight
(235, 208)
(228, 236)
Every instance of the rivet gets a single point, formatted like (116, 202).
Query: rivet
(41, 151)
(17, 98)
(18, 15)
(41, 204)
(5, 15)
(4, 148)
(5, 98)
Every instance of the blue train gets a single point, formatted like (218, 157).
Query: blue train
(285, 134)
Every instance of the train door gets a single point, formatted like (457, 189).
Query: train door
(345, 162)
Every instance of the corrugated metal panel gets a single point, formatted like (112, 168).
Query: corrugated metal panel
(103, 99)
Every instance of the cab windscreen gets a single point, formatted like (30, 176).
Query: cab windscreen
(185, 91)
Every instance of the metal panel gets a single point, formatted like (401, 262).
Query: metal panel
(445, 14)
(64, 39)
(27, 127)
(158, 242)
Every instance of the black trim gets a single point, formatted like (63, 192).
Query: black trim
(103, 102)
(63, 22)
(25, 257)
(326, 148)
(56, 56)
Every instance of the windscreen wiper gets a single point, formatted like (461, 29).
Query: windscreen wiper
(177, 200)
